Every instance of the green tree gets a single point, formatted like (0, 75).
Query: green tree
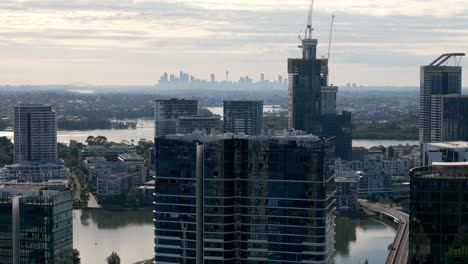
(113, 259)
(76, 256)
(6, 151)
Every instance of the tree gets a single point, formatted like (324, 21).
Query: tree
(113, 259)
(76, 256)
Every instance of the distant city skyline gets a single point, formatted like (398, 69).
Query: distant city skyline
(132, 42)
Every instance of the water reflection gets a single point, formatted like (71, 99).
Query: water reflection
(130, 233)
(361, 238)
(105, 219)
(97, 233)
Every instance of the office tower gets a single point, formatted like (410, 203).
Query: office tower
(339, 126)
(167, 113)
(212, 77)
(438, 78)
(239, 199)
(449, 118)
(438, 214)
(243, 117)
(280, 79)
(208, 124)
(35, 224)
(35, 134)
(262, 77)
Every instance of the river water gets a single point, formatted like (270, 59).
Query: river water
(145, 130)
(130, 233)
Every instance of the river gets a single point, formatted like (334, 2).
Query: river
(130, 233)
(145, 130)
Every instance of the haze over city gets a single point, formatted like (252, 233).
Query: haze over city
(133, 42)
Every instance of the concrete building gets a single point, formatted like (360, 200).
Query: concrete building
(359, 153)
(146, 193)
(243, 117)
(438, 78)
(444, 152)
(240, 199)
(372, 177)
(35, 224)
(126, 163)
(346, 193)
(439, 214)
(116, 186)
(35, 148)
(34, 172)
(167, 113)
(189, 124)
(35, 134)
(449, 118)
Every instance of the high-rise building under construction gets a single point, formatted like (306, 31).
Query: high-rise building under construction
(312, 101)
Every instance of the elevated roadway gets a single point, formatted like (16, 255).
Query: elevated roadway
(399, 250)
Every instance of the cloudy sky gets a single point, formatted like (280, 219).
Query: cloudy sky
(376, 42)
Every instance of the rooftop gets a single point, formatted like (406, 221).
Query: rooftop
(447, 145)
(283, 137)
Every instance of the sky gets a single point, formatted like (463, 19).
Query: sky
(132, 42)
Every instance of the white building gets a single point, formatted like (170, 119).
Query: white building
(445, 152)
(34, 172)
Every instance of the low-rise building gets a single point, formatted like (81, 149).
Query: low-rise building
(146, 193)
(208, 124)
(359, 153)
(126, 162)
(34, 172)
(35, 223)
(371, 177)
(445, 152)
(115, 186)
(346, 193)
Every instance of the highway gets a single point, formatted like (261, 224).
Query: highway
(399, 250)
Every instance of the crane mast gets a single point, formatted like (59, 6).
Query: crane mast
(309, 29)
(331, 36)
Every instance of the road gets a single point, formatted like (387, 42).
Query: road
(92, 203)
(77, 186)
(399, 250)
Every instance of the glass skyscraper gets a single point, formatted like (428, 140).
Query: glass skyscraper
(35, 224)
(167, 113)
(439, 78)
(449, 118)
(439, 214)
(236, 199)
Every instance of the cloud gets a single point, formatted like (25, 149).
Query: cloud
(247, 36)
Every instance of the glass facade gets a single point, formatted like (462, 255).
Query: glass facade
(439, 214)
(36, 229)
(243, 117)
(435, 80)
(261, 200)
(449, 118)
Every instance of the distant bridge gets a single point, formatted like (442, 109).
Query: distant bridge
(399, 250)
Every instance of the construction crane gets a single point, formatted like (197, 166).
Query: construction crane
(331, 36)
(309, 29)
